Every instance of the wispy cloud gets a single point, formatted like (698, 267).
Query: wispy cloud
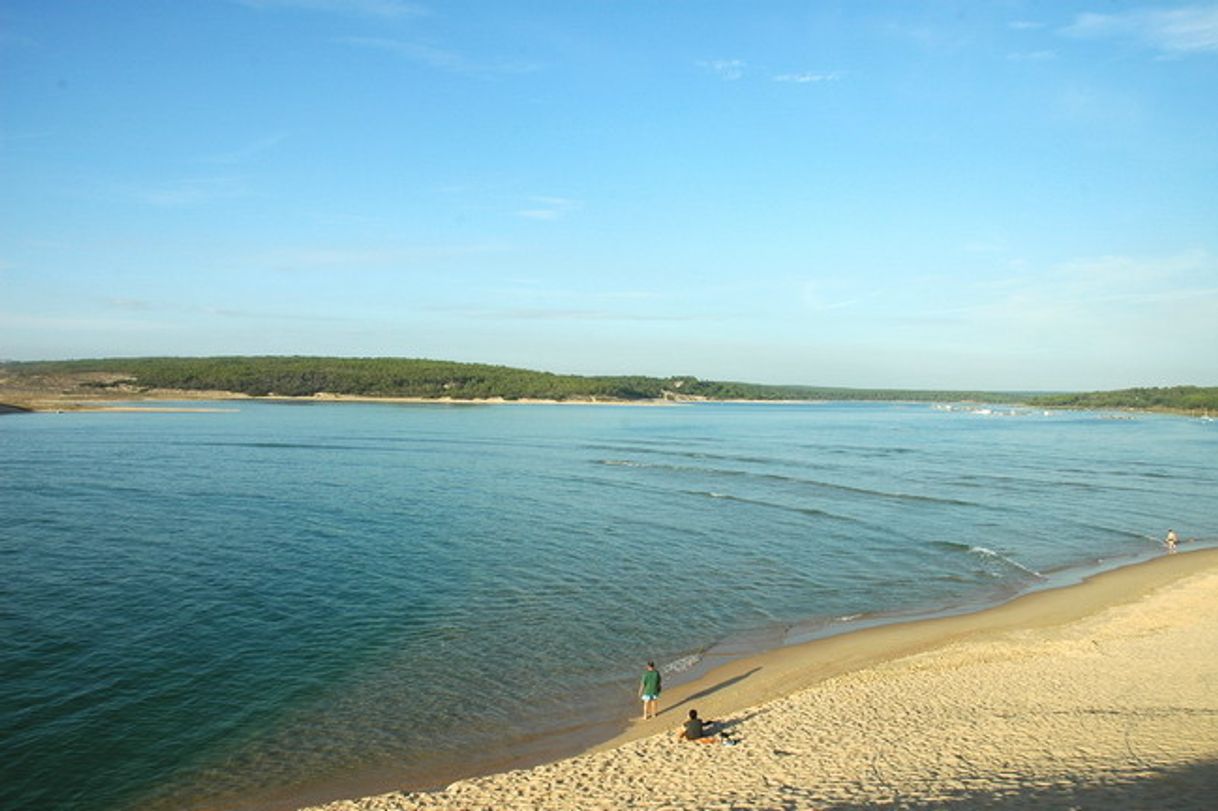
(1024, 25)
(10, 40)
(129, 304)
(536, 300)
(985, 245)
(316, 258)
(807, 77)
(548, 208)
(1032, 56)
(67, 323)
(1173, 31)
(13, 138)
(438, 58)
(263, 315)
(189, 191)
(727, 69)
(1100, 294)
(247, 151)
(823, 295)
(367, 8)
(565, 314)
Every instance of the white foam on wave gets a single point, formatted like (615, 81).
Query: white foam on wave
(990, 553)
(682, 664)
(848, 618)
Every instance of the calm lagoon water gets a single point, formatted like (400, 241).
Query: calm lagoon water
(200, 610)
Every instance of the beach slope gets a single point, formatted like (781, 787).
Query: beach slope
(1102, 695)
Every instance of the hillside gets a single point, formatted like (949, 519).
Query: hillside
(1168, 398)
(112, 378)
(50, 383)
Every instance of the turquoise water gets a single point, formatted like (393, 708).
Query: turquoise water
(200, 610)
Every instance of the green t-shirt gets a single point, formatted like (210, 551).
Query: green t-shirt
(651, 682)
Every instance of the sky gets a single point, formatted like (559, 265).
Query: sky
(1010, 195)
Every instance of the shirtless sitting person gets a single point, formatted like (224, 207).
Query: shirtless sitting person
(697, 729)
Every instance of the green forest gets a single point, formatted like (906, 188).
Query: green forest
(1167, 398)
(412, 377)
(409, 377)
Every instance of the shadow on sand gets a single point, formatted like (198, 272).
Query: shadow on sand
(714, 688)
(1193, 787)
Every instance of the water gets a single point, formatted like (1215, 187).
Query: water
(207, 609)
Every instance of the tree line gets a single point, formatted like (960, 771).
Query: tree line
(300, 376)
(1166, 398)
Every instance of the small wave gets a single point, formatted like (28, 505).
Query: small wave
(847, 618)
(812, 511)
(682, 664)
(797, 480)
(306, 446)
(990, 553)
(953, 545)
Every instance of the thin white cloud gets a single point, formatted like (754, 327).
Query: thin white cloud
(263, 315)
(807, 77)
(1174, 31)
(10, 40)
(1098, 293)
(11, 138)
(564, 314)
(366, 8)
(1032, 56)
(991, 245)
(246, 151)
(190, 191)
(62, 324)
(129, 304)
(315, 258)
(1025, 25)
(823, 295)
(438, 58)
(727, 69)
(548, 208)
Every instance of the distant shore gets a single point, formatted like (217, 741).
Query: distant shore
(15, 401)
(120, 401)
(75, 385)
(1093, 695)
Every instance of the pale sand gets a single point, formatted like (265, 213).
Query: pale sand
(1103, 695)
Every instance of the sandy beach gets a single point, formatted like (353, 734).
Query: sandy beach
(1100, 695)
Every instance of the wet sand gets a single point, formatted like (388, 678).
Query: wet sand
(1100, 695)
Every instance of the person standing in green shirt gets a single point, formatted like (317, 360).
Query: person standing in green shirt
(649, 690)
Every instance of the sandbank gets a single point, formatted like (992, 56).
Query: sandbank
(22, 401)
(1098, 695)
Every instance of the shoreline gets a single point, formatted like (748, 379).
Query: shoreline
(734, 686)
(778, 672)
(43, 404)
(51, 403)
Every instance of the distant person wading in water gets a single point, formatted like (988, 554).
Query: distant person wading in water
(649, 690)
(1171, 540)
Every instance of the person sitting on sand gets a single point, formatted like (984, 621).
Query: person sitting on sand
(697, 729)
(1171, 540)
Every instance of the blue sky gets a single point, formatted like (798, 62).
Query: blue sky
(1013, 195)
